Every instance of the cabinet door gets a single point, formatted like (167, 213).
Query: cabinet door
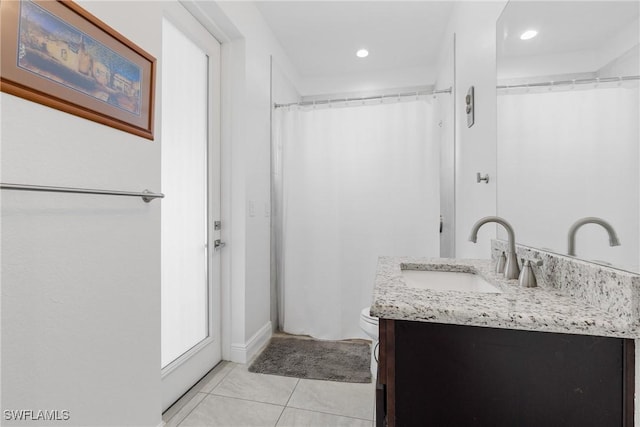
(450, 375)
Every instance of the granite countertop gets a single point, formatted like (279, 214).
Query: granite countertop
(532, 309)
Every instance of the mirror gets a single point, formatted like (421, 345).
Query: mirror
(567, 131)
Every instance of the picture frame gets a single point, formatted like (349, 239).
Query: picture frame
(58, 54)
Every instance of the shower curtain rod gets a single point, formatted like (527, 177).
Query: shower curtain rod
(571, 82)
(365, 98)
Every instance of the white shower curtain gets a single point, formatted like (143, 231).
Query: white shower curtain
(564, 154)
(351, 184)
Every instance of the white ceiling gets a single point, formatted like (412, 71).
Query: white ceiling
(563, 26)
(405, 37)
(322, 37)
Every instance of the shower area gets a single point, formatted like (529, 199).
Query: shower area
(352, 179)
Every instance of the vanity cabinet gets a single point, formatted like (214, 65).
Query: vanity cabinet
(432, 374)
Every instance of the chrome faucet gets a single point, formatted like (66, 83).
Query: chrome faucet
(511, 269)
(613, 238)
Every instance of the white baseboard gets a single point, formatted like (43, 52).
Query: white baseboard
(242, 353)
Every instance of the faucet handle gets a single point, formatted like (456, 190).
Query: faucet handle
(531, 261)
(527, 278)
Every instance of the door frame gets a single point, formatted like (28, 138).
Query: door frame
(228, 36)
(195, 355)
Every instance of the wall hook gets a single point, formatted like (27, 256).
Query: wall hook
(480, 178)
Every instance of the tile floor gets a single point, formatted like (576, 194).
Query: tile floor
(232, 396)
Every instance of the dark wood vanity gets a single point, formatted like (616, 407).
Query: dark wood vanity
(433, 374)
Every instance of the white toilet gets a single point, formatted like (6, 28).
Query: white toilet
(369, 325)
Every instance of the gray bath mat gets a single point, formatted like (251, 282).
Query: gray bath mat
(345, 361)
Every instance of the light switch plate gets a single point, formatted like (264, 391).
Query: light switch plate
(469, 101)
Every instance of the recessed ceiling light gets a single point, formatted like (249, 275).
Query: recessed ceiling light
(362, 53)
(529, 34)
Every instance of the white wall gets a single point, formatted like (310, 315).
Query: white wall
(246, 58)
(374, 81)
(474, 26)
(548, 65)
(282, 92)
(627, 64)
(621, 42)
(445, 110)
(81, 273)
(254, 166)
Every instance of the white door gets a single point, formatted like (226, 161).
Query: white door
(191, 329)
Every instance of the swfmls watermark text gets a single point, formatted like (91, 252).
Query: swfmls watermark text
(36, 415)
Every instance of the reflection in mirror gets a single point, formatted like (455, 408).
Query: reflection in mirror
(567, 104)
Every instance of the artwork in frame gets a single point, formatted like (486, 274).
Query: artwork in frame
(58, 54)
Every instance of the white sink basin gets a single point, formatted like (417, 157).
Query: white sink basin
(447, 281)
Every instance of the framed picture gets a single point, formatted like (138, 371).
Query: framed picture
(58, 54)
